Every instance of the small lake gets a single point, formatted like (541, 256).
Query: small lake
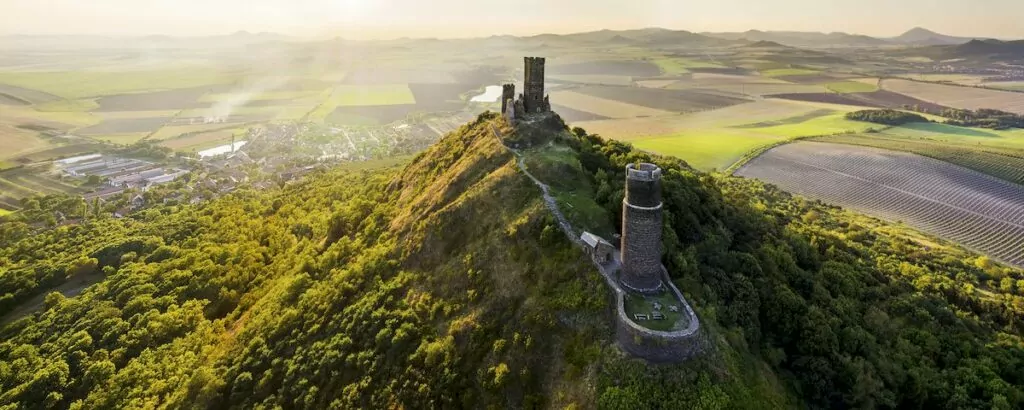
(220, 150)
(491, 94)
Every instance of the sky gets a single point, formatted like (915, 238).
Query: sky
(370, 19)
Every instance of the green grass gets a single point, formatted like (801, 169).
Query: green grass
(636, 303)
(783, 72)
(995, 139)
(560, 168)
(361, 95)
(670, 66)
(717, 149)
(4, 212)
(82, 84)
(845, 87)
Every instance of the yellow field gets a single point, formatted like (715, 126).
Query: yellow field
(16, 141)
(604, 107)
(958, 97)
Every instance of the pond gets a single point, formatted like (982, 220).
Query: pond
(219, 150)
(491, 94)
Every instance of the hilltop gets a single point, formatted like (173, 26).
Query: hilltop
(447, 283)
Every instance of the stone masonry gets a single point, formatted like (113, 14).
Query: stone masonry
(641, 228)
(533, 100)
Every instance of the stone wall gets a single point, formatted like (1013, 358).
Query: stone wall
(658, 346)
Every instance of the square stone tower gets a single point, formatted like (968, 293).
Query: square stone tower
(533, 97)
(641, 228)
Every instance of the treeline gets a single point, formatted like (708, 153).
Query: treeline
(983, 118)
(886, 117)
(447, 284)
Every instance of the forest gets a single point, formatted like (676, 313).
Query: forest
(984, 118)
(886, 117)
(446, 283)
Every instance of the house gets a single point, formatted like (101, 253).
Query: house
(138, 202)
(600, 250)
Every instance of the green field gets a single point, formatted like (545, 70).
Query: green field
(81, 84)
(671, 66)
(845, 87)
(1007, 164)
(719, 148)
(783, 72)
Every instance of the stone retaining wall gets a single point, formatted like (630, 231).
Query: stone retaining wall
(658, 346)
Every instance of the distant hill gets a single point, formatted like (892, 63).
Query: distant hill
(764, 44)
(803, 39)
(645, 37)
(237, 39)
(974, 49)
(923, 36)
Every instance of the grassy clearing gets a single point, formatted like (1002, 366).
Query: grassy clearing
(559, 167)
(82, 84)
(783, 72)
(636, 303)
(846, 87)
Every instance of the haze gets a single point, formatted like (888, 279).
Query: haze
(455, 18)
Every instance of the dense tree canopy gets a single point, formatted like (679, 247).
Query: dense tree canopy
(446, 284)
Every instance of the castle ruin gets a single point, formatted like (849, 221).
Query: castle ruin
(533, 100)
(641, 229)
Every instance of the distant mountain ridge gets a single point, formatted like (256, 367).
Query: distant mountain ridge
(923, 36)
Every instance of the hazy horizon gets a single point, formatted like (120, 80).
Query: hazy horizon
(383, 19)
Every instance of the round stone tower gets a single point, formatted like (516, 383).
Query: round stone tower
(641, 228)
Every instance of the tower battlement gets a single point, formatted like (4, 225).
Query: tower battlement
(641, 228)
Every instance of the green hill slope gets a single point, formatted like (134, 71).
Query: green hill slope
(448, 284)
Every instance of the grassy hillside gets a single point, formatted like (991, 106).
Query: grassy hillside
(446, 283)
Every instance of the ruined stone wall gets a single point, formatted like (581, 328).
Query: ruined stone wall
(659, 346)
(641, 228)
(508, 93)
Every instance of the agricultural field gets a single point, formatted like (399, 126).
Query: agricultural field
(667, 100)
(603, 106)
(848, 87)
(631, 68)
(788, 72)
(958, 97)
(875, 99)
(672, 65)
(19, 183)
(976, 210)
(1006, 164)
(715, 139)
